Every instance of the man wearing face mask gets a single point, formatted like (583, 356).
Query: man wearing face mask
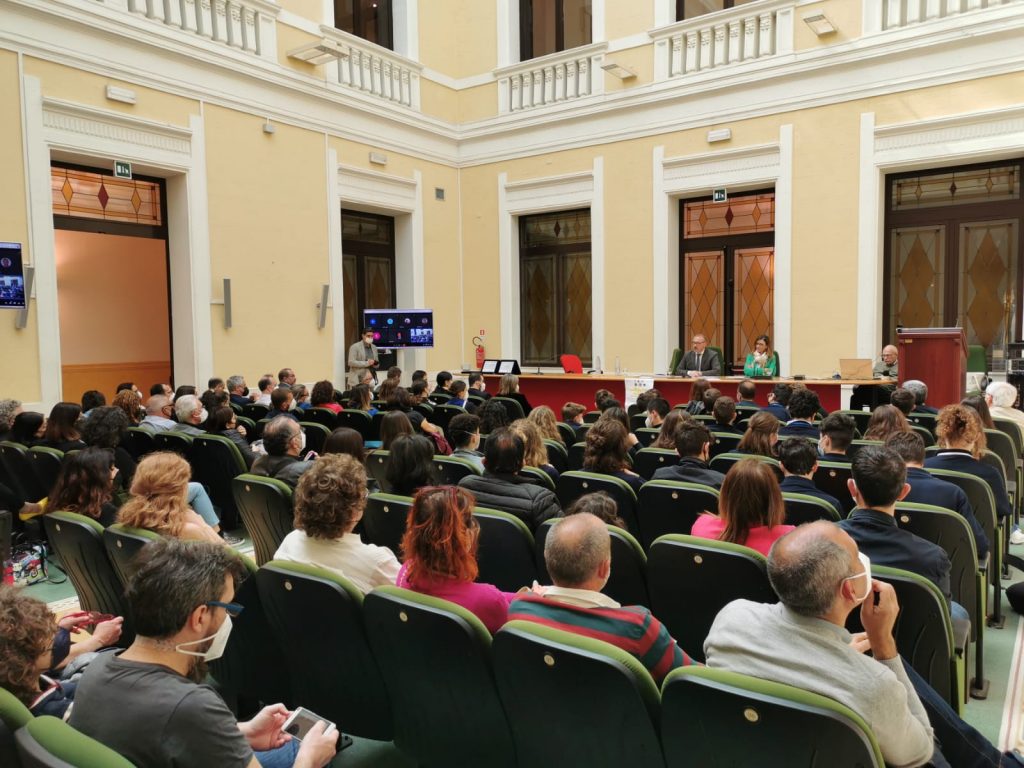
(821, 578)
(284, 442)
(191, 414)
(148, 703)
(657, 409)
(362, 356)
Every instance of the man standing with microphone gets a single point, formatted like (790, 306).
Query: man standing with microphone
(361, 356)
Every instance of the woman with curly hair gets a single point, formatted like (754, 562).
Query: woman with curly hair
(600, 505)
(128, 401)
(751, 511)
(607, 451)
(439, 548)
(329, 500)
(761, 436)
(159, 500)
(493, 415)
(536, 452)
(666, 438)
(961, 440)
(34, 646)
(62, 430)
(107, 428)
(322, 396)
(85, 485)
(546, 422)
(886, 420)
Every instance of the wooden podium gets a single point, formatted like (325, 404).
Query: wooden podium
(938, 357)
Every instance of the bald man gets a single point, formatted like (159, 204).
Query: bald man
(821, 578)
(578, 555)
(888, 366)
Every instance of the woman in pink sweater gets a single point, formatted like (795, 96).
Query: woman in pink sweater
(439, 546)
(750, 509)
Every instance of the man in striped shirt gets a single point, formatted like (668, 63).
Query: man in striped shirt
(579, 557)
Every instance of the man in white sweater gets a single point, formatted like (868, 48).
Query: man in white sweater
(820, 578)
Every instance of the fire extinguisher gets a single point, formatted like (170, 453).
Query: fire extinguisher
(481, 353)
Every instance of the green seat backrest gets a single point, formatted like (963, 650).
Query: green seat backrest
(558, 454)
(715, 717)
(216, 462)
(670, 506)
(801, 508)
(860, 418)
(573, 700)
(332, 669)
(831, 478)
(265, 506)
(723, 462)
(46, 464)
(647, 461)
(691, 579)
(360, 421)
(13, 713)
(435, 658)
(47, 741)
(983, 504)
(857, 444)
(724, 442)
(178, 442)
(324, 416)
(18, 469)
(575, 483)
(138, 442)
(677, 358)
(377, 466)
(512, 406)
(123, 543)
(504, 550)
(538, 476)
(316, 434)
(646, 436)
(451, 469)
(568, 434)
(384, 520)
(1014, 431)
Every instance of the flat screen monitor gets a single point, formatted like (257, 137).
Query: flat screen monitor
(12, 279)
(401, 328)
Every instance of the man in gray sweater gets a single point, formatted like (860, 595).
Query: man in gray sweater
(820, 578)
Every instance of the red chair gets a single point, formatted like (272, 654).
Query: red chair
(571, 363)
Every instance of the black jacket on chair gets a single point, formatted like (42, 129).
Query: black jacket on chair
(513, 494)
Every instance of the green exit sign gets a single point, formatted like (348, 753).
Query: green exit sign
(719, 196)
(122, 169)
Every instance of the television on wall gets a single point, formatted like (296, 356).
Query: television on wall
(401, 328)
(12, 280)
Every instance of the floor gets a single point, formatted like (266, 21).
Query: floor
(1000, 717)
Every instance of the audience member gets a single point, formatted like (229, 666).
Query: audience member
(419, 375)
(711, 395)
(9, 409)
(300, 397)
(961, 444)
(127, 386)
(393, 425)
(979, 404)
(402, 401)
(920, 391)
(457, 396)
(85, 486)
(821, 578)
(92, 398)
(926, 488)
(509, 387)
(643, 399)
(778, 401)
(281, 404)
(478, 387)
(546, 423)
(616, 413)
(607, 452)
(750, 509)
(62, 428)
(283, 441)
(879, 481)
(265, 386)
(600, 505)
(572, 414)
(237, 390)
(191, 414)
(412, 464)
(224, 422)
(322, 396)
(212, 400)
(746, 390)
(27, 428)
(361, 399)
(329, 501)
(886, 420)
(799, 460)
(159, 500)
(493, 416)
(418, 391)
(439, 550)
(724, 411)
(578, 556)
(601, 396)
(803, 405)
(216, 384)
(107, 428)
(535, 452)
(657, 410)
(666, 438)
(286, 378)
(35, 648)
(464, 430)
(761, 436)
(693, 444)
(501, 486)
(129, 402)
(696, 405)
(158, 412)
(162, 388)
(837, 432)
(444, 379)
(903, 400)
(184, 389)
(147, 703)
(387, 389)
(346, 441)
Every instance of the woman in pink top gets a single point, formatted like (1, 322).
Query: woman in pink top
(750, 508)
(322, 396)
(440, 554)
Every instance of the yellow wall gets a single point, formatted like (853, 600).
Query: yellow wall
(268, 233)
(846, 17)
(289, 38)
(308, 9)
(627, 18)
(459, 37)
(19, 350)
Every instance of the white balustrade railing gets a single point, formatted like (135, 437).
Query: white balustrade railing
(551, 79)
(245, 25)
(375, 70)
(742, 34)
(882, 15)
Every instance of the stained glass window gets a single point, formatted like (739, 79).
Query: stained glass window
(738, 216)
(958, 187)
(89, 195)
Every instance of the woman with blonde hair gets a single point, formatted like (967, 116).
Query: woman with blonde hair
(509, 387)
(546, 422)
(761, 436)
(886, 420)
(536, 452)
(750, 509)
(159, 500)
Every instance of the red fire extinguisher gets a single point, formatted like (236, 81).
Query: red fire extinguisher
(481, 353)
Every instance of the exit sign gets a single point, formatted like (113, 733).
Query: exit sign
(122, 169)
(719, 196)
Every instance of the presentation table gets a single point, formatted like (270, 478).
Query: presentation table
(556, 389)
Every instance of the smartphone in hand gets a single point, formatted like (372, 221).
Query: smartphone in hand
(301, 721)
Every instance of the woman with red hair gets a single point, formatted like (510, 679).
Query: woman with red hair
(439, 547)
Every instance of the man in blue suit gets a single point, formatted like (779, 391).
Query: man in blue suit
(778, 399)
(799, 459)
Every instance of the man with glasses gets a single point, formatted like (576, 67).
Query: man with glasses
(149, 702)
(700, 361)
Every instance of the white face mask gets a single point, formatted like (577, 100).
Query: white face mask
(648, 422)
(203, 416)
(216, 649)
(866, 562)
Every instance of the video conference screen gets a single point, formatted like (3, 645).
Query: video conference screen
(12, 280)
(401, 328)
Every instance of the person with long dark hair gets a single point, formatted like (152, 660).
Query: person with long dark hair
(412, 464)
(85, 485)
(607, 451)
(62, 428)
(224, 422)
(107, 428)
(27, 428)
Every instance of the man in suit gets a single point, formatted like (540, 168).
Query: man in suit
(700, 361)
(362, 355)
(778, 399)
(926, 488)
(799, 460)
(803, 405)
(693, 444)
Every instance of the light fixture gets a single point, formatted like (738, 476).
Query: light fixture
(320, 52)
(619, 71)
(378, 158)
(819, 24)
(268, 127)
(719, 134)
(124, 95)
